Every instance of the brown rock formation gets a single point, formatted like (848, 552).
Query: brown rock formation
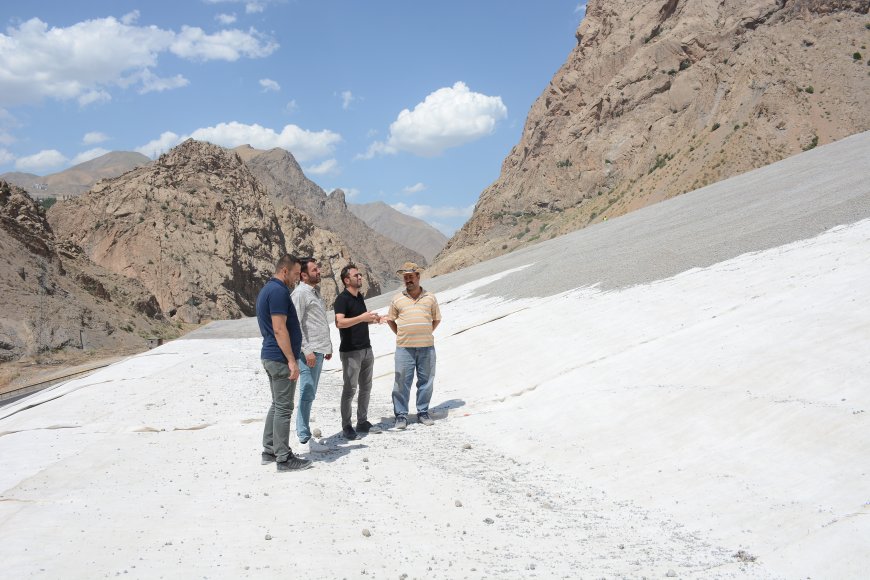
(661, 98)
(194, 227)
(53, 298)
(285, 182)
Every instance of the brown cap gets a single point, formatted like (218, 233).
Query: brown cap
(409, 268)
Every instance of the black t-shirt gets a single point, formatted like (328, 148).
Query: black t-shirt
(355, 337)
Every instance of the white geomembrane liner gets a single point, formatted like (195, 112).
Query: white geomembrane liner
(690, 426)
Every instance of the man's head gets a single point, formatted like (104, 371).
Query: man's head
(410, 273)
(287, 269)
(310, 271)
(351, 277)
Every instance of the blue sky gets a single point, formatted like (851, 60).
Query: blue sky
(412, 103)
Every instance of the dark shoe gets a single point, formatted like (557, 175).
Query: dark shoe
(293, 463)
(349, 433)
(304, 440)
(401, 422)
(425, 419)
(366, 427)
(266, 458)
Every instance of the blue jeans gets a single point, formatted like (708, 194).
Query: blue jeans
(409, 359)
(309, 377)
(276, 432)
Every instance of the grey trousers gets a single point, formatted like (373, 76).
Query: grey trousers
(276, 432)
(357, 367)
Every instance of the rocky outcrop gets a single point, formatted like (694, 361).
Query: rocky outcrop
(404, 229)
(285, 182)
(661, 98)
(332, 254)
(54, 298)
(197, 229)
(194, 227)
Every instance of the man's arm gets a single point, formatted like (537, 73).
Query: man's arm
(435, 324)
(392, 325)
(341, 321)
(300, 302)
(282, 337)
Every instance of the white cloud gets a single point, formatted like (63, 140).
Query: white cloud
(230, 45)
(94, 137)
(84, 60)
(226, 19)
(45, 160)
(304, 145)
(269, 85)
(153, 83)
(346, 99)
(94, 96)
(7, 122)
(6, 157)
(428, 211)
(88, 155)
(166, 141)
(291, 106)
(251, 6)
(130, 17)
(581, 9)
(416, 188)
(448, 117)
(327, 167)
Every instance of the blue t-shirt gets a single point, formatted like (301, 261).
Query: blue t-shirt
(274, 298)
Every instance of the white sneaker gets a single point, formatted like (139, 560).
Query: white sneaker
(315, 446)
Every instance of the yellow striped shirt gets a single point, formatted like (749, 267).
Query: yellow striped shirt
(414, 318)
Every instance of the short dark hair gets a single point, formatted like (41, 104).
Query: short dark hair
(345, 270)
(286, 261)
(303, 262)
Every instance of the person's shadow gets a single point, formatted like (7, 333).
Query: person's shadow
(438, 412)
(338, 446)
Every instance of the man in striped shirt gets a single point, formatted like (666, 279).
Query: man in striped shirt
(413, 316)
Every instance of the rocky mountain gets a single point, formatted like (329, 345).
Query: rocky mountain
(54, 298)
(287, 185)
(79, 178)
(660, 98)
(196, 228)
(406, 230)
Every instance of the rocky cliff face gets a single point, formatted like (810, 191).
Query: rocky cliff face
(660, 98)
(54, 298)
(194, 227)
(285, 182)
(197, 229)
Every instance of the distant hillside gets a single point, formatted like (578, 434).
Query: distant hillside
(79, 178)
(409, 231)
(282, 177)
(658, 99)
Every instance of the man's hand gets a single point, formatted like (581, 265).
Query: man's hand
(370, 317)
(310, 359)
(294, 369)
(328, 356)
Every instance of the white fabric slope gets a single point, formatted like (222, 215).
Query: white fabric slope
(663, 428)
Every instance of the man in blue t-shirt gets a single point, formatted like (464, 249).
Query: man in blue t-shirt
(282, 342)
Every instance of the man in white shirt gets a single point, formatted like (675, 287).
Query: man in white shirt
(316, 344)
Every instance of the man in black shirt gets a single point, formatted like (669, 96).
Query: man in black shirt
(357, 360)
(355, 351)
